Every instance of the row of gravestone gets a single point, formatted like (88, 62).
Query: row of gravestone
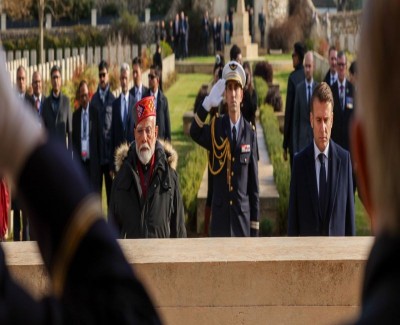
(113, 54)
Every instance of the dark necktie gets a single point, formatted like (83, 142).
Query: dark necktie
(233, 139)
(37, 105)
(84, 125)
(322, 185)
(309, 95)
(125, 112)
(341, 96)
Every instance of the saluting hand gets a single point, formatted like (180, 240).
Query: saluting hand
(215, 96)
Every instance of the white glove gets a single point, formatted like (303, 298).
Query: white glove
(20, 132)
(215, 96)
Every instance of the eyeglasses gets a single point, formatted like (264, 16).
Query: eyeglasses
(102, 75)
(341, 65)
(151, 76)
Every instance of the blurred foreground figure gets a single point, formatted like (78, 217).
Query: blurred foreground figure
(92, 283)
(375, 143)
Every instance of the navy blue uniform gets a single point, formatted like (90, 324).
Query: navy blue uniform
(235, 210)
(92, 282)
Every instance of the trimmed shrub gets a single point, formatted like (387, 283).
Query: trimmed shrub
(265, 71)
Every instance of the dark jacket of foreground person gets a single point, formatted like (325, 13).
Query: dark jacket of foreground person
(92, 283)
(161, 213)
(380, 298)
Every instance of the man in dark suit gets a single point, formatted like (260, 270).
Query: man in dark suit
(177, 37)
(56, 112)
(102, 100)
(331, 76)
(161, 102)
(138, 91)
(205, 28)
(91, 281)
(343, 97)
(375, 141)
(232, 142)
(123, 117)
(37, 98)
(321, 199)
(294, 79)
(302, 131)
(182, 31)
(86, 136)
(21, 84)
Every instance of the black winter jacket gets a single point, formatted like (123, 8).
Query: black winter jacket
(161, 213)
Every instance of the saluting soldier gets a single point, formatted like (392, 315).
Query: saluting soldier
(232, 143)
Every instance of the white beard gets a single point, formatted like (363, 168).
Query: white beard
(144, 155)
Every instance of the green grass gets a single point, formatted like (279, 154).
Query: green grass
(201, 59)
(274, 140)
(279, 57)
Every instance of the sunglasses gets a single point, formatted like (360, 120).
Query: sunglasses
(102, 75)
(151, 76)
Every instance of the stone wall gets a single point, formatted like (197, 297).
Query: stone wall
(276, 10)
(342, 29)
(286, 280)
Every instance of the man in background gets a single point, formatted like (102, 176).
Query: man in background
(138, 91)
(331, 76)
(56, 112)
(102, 100)
(161, 104)
(302, 131)
(294, 79)
(123, 117)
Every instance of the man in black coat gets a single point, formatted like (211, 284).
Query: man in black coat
(91, 281)
(344, 99)
(161, 103)
(232, 142)
(295, 78)
(177, 37)
(138, 91)
(205, 30)
(145, 199)
(37, 98)
(375, 141)
(86, 136)
(56, 112)
(321, 188)
(332, 75)
(102, 100)
(123, 116)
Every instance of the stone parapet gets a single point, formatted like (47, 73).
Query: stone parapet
(277, 280)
